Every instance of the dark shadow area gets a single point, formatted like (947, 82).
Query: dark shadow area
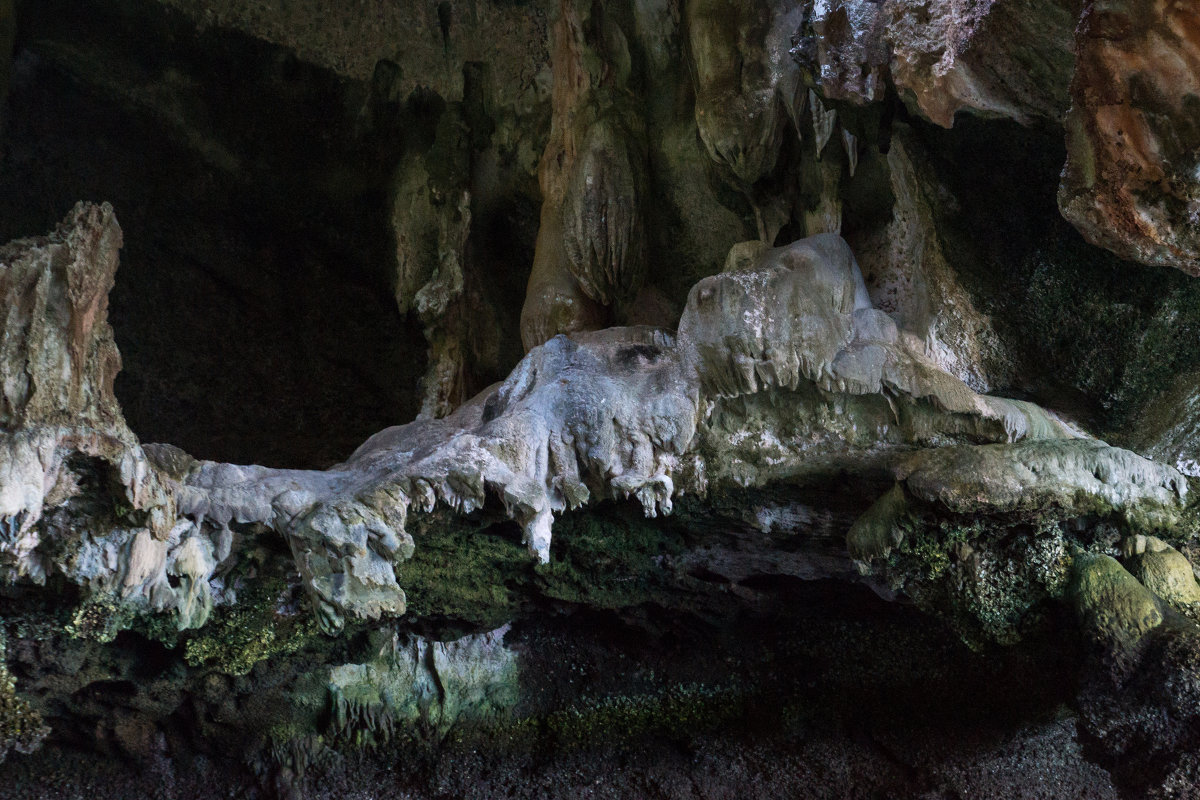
(822, 691)
(1094, 335)
(253, 307)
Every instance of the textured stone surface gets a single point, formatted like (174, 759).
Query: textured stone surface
(60, 362)
(1168, 425)
(351, 40)
(746, 88)
(436, 683)
(615, 414)
(592, 174)
(1130, 182)
(1011, 59)
(1069, 477)
(1165, 571)
(909, 276)
(668, 537)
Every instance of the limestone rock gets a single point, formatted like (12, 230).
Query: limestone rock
(1057, 478)
(602, 218)
(439, 684)
(1130, 183)
(628, 413)
(1047, 474)
(844, 48)
(780, 372)
(1119, 610)
(58, 363)
(1165, 571)
(59, 355)
(1168, 426)
(589, 254)
(1139, 689)
(748, 91)
(1010, 59)
(351, 41)
(909, 275)
(745, 86)
(761, 406)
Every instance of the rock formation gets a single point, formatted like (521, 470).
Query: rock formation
(1130, 181)
(592, 175)
(752, 386)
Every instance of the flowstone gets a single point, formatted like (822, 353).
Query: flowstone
(780, 376)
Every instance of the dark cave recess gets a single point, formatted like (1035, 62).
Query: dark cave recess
(253, 307)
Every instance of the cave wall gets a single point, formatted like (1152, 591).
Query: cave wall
(498, 390)
(253, 312)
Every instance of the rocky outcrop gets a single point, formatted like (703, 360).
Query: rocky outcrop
(58, 405)
(431, 218)
(910, 277)
(21, 727)
(780, 375)
(589, 253)
(413, 680)
(741, 396)
(351, 42)
(746, 92)
(1168, 425)
(619, 542)
(1130, 181)
(1011, 59)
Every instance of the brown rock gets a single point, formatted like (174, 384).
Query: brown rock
(1131, 183)
(59, 358)
(589, 246)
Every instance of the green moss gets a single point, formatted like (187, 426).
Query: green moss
(161, 628)
(987, 578)
(679, 711)
(608, 560)
(100, 618)
(250, 631)
(21, 727)
(465, 575)
(42, 623)
(297, 749)
(927, 545)
(608, 557)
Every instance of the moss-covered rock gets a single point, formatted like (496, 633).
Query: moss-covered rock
(609, 560)
(416, 686)
(1115, 608)
(254, 629)
(681, 711)
(463, 574)
(1164, 571)
(101, 617)
(22, 728)
(988, 578)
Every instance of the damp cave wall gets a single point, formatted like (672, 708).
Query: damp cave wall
(255, 313)
(253, 307)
